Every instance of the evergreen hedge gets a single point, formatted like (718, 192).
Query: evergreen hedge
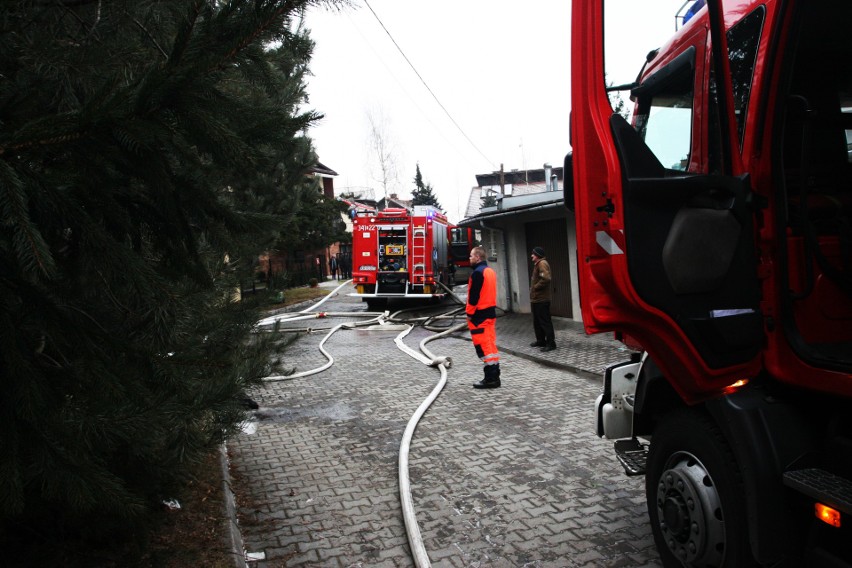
(148, 151)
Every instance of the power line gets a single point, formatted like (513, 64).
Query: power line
(402, 87)
(427, 86)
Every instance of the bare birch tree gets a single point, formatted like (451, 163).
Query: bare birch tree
(384, 167)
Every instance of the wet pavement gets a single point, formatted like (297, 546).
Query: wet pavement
(507, 477)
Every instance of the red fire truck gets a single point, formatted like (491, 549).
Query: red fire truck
(714, 231)
(400, 254)
(461, 241)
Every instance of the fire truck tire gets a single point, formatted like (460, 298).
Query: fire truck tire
(695, 495)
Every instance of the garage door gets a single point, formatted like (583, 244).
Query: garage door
(552, 235)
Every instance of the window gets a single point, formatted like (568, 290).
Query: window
(664, 113)
(743, 40)
(667, 129)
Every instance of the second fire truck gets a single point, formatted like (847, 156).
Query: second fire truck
(397, 253)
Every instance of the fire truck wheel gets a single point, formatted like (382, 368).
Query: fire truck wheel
(695, 495)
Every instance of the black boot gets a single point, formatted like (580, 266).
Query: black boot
(548, 347)
(538, 344)
(491, 379)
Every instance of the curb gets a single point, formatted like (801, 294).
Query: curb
(232, 529)
(233, 535)
(553, 364)
(596, 377)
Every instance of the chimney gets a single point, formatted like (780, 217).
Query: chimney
(547, 172)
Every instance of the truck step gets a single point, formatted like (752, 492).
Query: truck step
(823, 486)
(633, 456)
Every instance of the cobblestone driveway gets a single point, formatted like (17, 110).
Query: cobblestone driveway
(509, 477)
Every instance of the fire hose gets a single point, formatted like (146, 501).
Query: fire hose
(415, 540)
(383, 319)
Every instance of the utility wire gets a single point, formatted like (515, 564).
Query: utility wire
(410, 97)
(427, 86)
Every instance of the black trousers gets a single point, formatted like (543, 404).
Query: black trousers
(542, 324)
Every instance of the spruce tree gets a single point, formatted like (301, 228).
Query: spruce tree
(148, 151)
(423, 193)
(316, 222)
(488, 200)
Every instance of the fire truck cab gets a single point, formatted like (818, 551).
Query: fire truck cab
(400, 254)
(714, 232)
(461, 242)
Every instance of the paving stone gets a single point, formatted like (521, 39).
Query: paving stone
(506, 477)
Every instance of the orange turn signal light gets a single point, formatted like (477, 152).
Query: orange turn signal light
(735, 386)
(827, 515)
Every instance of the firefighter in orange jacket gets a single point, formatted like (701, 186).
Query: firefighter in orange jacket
(481, 312)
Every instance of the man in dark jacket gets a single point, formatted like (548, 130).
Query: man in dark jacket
(481, 310)
(540, 295)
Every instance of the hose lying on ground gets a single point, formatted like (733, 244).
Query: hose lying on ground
(415, 540)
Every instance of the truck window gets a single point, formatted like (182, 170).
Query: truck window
(743, 40)
(666, 127)
(663, 116)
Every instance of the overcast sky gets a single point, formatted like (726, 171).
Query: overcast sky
(489, 85)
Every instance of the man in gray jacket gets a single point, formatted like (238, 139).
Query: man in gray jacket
(540, 294)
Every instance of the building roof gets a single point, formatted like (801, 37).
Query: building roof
(474, 203)
(380, 205)
(518, 177)
(322, 170)
(359, 205)
(517, 205)
(393, 201)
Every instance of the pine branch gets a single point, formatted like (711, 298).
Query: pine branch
(150, 37)
(184, 34)
(61, 139)
(30, 248)
(286, 7)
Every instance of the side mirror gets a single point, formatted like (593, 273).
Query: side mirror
(568, 181)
